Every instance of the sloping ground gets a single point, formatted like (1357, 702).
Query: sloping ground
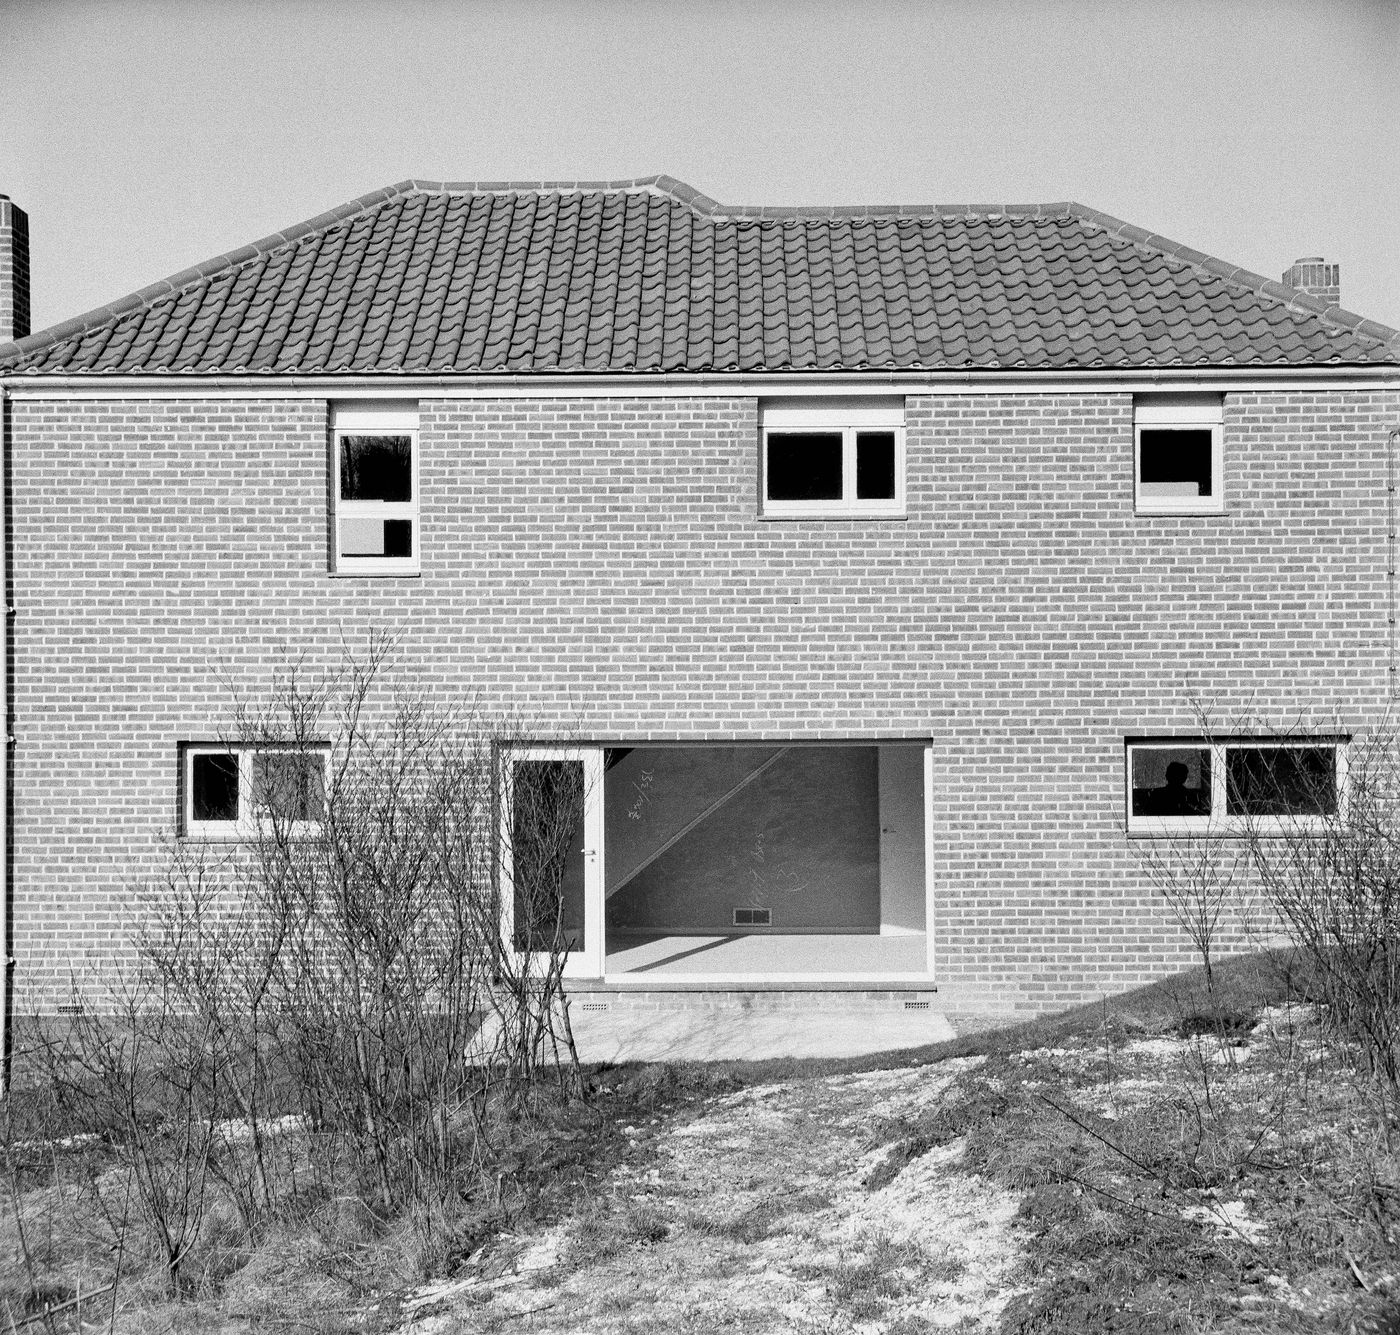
(774, 1209)
(1236, 1179)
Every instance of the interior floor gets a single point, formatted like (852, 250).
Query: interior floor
(771, 955)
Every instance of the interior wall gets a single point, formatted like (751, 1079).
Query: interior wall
(902, 894)
(801, 839)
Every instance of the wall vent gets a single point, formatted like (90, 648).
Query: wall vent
(593, 1005)
(916, 1005)
(70, 1008)
(753, 917)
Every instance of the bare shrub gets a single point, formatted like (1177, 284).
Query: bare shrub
(325, 1005)
(1199, 879)
(1318, 840)
(1334, 881)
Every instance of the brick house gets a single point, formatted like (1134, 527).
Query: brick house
(869, 560)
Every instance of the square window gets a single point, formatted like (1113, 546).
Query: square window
(836, 458)
(289, 785)
(805, 465)
(1171, 781)
(240, 792)
(375, 489)
(1248, 785)
(1178, 454)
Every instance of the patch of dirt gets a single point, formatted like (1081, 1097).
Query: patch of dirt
(756, 1215)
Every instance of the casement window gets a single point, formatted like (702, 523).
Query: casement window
(237, 792)
(374, 488)
(1260, 785)
(840, 458)
(1178, 454)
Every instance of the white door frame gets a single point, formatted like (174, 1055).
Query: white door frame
(587, 962)
(929, 934)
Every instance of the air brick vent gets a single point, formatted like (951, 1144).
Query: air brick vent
(753, 917)
(916, 1005)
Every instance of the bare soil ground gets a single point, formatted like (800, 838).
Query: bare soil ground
(761, 1213)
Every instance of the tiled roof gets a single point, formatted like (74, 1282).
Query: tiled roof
(650, 276)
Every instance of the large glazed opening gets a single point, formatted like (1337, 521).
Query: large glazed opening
(776, 862)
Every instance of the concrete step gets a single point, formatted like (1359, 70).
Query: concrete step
(628, 1026)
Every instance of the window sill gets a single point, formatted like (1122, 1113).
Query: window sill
(1261, 827)
(415, 572)
(865, 516)
(244, 834)
(1149, 511)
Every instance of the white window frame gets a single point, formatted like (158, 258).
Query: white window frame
(1187, 412)
(589, 960)
(1219, 822)
(373, 418)
(249, 824)
(848, 416)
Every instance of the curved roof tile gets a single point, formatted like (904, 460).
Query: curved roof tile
(650, 275)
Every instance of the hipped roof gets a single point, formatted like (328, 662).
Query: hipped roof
(650, 276)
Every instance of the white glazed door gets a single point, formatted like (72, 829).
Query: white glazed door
(552, 856)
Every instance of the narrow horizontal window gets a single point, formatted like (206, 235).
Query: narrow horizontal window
(1239, 786)
(233, 791)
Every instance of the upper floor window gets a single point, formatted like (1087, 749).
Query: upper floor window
(234, 791)
(1263, 785)
(375, 488)
(836, 457)
(1178, 454)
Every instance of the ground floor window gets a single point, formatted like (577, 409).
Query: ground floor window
(723, 861)
(239, 791)
(1233, 786)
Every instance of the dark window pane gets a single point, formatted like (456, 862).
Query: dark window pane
(1171, 781)
(875, 465)
(1174, 462)
(376, 468)
(804, 465)
(289, 784)
(398, 537)
(214, 787)
(547, 853)
(1281, 780)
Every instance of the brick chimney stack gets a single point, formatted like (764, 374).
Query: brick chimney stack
(1323, 281)
(14, 270)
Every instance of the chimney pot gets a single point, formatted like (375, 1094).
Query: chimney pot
(1316, 277)
(14, 270)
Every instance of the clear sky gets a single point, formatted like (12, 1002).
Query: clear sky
(143, 136)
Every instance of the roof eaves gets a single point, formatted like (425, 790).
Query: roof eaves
(1292, 297)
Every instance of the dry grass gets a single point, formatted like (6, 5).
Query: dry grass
(1175, 1160)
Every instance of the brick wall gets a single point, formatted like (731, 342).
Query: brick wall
(599, 568)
